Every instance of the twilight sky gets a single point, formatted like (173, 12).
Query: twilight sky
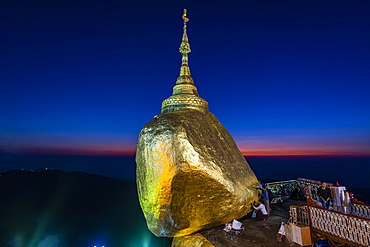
(284, 77)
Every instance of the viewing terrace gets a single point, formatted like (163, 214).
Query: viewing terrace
(346, 223)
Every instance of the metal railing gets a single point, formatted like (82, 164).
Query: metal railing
(360, 210)
(285, 188)
(351, 228)
(310, 186)
(282, 188)
(345, 226)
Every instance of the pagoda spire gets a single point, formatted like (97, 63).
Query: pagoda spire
(185, 94)
(185, 49)
(185, 76)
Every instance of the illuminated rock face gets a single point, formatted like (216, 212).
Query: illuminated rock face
(190, 174)
(193, 240)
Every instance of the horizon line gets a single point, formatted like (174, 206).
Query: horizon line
(84, 148)
(127, 152)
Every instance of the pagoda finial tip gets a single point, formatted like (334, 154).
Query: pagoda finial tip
(185, 46)
(184, 17)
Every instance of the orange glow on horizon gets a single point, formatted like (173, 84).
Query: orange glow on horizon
(131, 150)
(284, 154)
(303, 152)
(111, 148)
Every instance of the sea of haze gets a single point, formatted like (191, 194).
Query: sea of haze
(353, 172)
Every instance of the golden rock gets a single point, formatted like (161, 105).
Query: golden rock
(191, 174)
(193, 240)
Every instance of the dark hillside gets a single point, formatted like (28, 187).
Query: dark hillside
(56, 208)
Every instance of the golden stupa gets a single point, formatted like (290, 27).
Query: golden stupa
(190, 172)
(185, 94)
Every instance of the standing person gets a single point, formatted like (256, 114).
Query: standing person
(271, 195)
(261, 211)
(265, 198)
(323, 192)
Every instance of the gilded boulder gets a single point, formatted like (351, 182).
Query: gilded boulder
(193, 240)
(191, 174)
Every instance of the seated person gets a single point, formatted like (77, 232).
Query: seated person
(261, 211)
(324, 194)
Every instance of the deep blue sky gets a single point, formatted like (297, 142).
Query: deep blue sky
(284, 77)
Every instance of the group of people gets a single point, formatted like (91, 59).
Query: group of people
(262, 207)
(323, 193)
(263, 210)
